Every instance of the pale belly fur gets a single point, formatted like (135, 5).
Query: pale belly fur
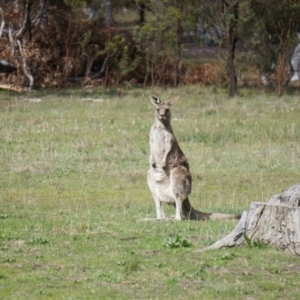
(161, 186)
(158, 146)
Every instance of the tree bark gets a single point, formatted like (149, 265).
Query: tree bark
(230, 65)
(276, 222)
(142, 8)
(231, 13)
(106, 5)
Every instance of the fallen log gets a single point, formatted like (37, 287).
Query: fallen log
(6, 66)
(276, 222)
(15, 88)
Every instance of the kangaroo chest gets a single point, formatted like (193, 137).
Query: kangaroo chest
(162, 141)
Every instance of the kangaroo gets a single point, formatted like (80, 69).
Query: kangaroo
(169, 178)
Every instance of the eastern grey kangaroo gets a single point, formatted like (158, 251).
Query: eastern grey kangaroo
(169, 178)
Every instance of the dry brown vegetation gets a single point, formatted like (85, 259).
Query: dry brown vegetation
(67, 48)
(202, 74)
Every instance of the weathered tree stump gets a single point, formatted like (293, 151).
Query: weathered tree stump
(276, 222)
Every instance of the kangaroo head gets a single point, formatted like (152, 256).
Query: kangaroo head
(162, 113)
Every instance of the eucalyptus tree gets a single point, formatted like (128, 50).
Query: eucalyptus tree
(278, 23)
(225, 16)
(19, 21)
(158, 40)
(230, 13)
(33, 37)
(264, 32)
(267, 34)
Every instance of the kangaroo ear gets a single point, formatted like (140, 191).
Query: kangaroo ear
(171, 101)
(155, 100)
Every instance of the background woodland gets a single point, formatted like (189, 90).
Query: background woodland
(52, 43)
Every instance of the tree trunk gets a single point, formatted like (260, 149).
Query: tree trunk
(177, 48)
(230, 12)
(276, 222)
(142, 8)
(231, 70)
(106, 5)
(280, 73)
(28, 24)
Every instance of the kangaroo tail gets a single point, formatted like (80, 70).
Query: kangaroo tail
(192, 214)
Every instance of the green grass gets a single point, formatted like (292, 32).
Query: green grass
(73, 185)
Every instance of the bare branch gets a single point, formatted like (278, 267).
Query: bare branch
(103, 66)
(24, 65)
(42, 12)
(2, 23)
(22, 29)
(11, 39)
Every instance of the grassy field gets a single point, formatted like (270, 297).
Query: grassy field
(73, 185)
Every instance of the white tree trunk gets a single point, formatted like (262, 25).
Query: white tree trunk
(106, 6)
(276, 222)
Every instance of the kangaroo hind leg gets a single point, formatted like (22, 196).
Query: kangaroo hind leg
(158, 205)
(181, 185)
